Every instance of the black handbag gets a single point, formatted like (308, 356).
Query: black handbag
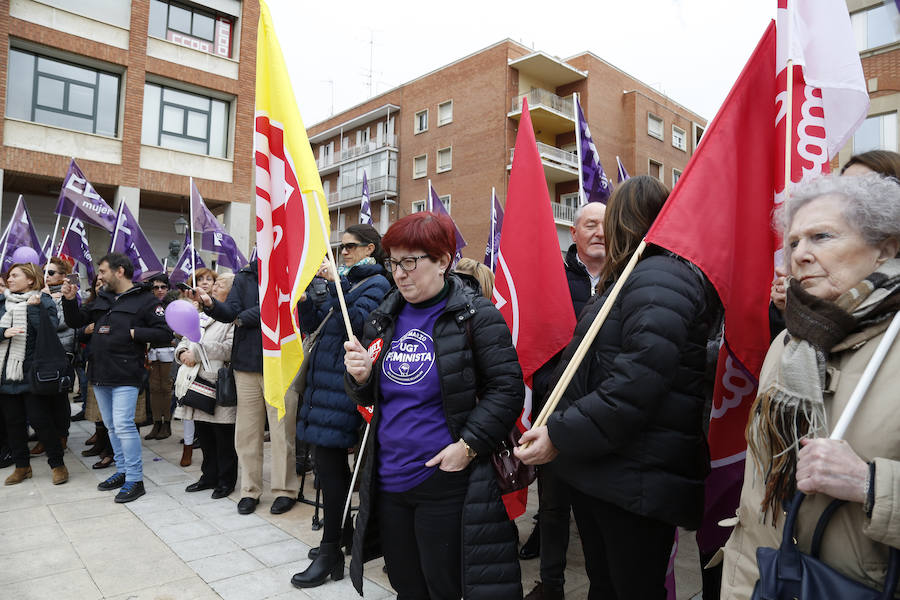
(201, 395)
(512, 474)
(786, 573)
(226, 391)
(50, 372)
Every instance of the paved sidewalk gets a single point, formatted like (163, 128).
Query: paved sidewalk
(72, 542)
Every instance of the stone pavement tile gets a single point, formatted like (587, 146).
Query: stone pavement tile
(26, 517)
(213, 510)
(175, 516)
(343, 589)
(192, 588)
(223, 566)
(374, 571)
(203, 547)
(17, 497)
(283, 552)
(117, 572)
(186, 531)
(85, 509)
(234, 521)
(258, 536)
(104, 525)
(152, 503)
(76, 585)
(176, 491)
(256, 585)
(28, 538)
(57, 558)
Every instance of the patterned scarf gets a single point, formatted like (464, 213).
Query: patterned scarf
(793, 406)
(13, 348)
(344, 269)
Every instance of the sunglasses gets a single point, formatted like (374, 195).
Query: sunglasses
(350, 246)
(51, 272)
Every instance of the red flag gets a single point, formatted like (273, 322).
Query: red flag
(718, 217)
(530, 289)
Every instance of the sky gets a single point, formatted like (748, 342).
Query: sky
(342, 52)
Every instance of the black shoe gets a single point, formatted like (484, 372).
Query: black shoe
(281, 505)
(329, 562)
(247, 505)
(6, 458)
(221, 492)
(114, 481)
(532, 546)
(199, 486)
(132, 490)
(545, 592)
(92, 451)
(313, 553)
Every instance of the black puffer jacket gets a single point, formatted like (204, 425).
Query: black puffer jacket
(242, 303)
(483, 413)
(579, 280)
(629, 428)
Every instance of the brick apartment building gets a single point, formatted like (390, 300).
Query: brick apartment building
(457, 127)
(878, 41)
(143, 94)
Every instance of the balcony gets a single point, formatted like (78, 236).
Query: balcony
(329, 164)
(550, 113)
(559, 165)
(563, 214)
(380, 188)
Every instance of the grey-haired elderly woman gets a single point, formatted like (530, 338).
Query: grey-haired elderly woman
(841, 237)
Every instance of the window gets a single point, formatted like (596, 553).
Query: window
(679, 139)
(874, 27)
(445, 112)
(655, 169)
(420, 166)
(421, 121)
(201, 30)
(676, 175)
(445, 200)
(362, 136)
(53, 92)
(419, 206)
(444, 159)
(698, 134)
(654, 126)
(184, 121)
(876, 133)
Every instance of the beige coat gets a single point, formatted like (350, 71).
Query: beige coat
(217, 341)
(849, 544)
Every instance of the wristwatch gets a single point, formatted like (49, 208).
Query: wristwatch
(470, 452)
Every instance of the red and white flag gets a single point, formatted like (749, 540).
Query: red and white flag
(530, 289)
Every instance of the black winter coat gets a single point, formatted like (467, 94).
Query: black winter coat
(243, 303)
(33, 319)
(119, 358)
(327, 417)
(629, 428)
(483, 393)
(579, 280)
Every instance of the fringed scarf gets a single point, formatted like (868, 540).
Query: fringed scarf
(793, 407)
(13, 348)
(344, 269)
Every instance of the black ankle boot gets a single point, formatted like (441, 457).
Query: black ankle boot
(330, 561)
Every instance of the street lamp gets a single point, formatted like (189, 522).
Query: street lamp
(181, 225)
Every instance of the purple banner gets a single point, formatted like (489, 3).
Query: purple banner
(493, 243)
(595, 183)
(79, 199)
(129, 239)
(183, 268)
(365, 208)
(204, 220)
(438, 207)
(20, 232)
(75, 246)
(622, 174)
(215, 238)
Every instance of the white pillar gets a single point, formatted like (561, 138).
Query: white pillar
(130, 196)
(238, 221)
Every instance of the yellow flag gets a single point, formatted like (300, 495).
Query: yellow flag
(291, 213)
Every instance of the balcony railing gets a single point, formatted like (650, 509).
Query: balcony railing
(541, 97)
(370, 146)
(377, 185)
(563, 213)
(553, 154)
(323, 162)
(336, 237)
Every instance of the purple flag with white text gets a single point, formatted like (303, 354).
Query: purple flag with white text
(214, 238)
(365, 208)
(79, 199)
(623, 174)
(129, 239)
(493, 243)
(183, 268)
(45, 248)
(438, 207)
(20, 232)
(595, 183)
(75, 245)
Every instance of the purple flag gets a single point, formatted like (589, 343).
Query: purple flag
(594, 183)
(623, 174)
(78, 199)
(129, 239)
(204, 220)
(215, 238)
(45, 249)
(438, 207)
(253, 255)
(20, 232)
(75, 245)
(183, 268)
(365, 209)
(493, 243)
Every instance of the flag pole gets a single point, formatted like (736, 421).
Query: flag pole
(52, 240)
(193, 256)
(581, 198)
(493, 225)
(337, 278)
(62, 242)
(587, 340)
(359, 455)
(116, 230)
(5, 237)
(430, 197)
(789, 116)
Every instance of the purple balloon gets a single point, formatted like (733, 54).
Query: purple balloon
(184, 319)
(26, 255)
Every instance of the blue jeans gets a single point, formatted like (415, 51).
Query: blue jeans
(117, 406)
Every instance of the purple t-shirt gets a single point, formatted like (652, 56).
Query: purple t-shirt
(412, 427)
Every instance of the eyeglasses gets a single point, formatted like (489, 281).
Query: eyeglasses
(407, 263)
(160, 287)
(51, 272)
(350, 246)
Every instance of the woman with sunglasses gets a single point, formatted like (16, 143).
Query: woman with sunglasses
(328, 419)
(438, 365)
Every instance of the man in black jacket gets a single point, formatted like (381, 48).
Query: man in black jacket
(242, 308)
(126, 318)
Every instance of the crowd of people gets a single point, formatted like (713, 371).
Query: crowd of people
(433, 360)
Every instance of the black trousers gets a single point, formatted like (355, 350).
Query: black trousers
(334, 479)
(625, 555)
(37, 410)
(421, 537)
(62, 414)
(553, 520)
(216, 440)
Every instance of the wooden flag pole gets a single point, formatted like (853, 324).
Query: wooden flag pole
(587, 340)
(334, 271)
(359, 455)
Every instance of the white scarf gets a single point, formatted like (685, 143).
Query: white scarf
(13, 348)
